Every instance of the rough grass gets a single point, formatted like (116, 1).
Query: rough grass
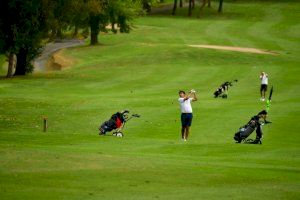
(142, 72)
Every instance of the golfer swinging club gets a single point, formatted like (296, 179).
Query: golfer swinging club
(186, 111)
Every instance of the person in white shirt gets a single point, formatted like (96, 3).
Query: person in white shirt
(186, 111)
(264, 85)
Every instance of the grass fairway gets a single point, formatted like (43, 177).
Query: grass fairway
(143, 71)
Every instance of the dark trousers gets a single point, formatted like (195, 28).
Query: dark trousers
(258, 132)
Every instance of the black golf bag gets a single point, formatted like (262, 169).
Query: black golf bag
(116, 122)
(245, 131)
(222, 90)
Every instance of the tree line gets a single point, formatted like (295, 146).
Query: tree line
(203, 3)
(26, 25)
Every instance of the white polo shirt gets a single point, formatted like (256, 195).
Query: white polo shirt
(185, 105)
(264, 79)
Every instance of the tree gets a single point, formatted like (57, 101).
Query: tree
(204, 2)
(220, 6)
(126, 11)
(78, 14)
(101, 13)
(10, 69)
(96, 15)
(22, 28)
(174, 7)
(180, 3)
(147, 4)
(7, 39)
(93, 14)
(60, 16)
(25, 23)
(191, 6)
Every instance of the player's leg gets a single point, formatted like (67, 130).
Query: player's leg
(187, 132)
(261, 92)
(188, 123)
(265, 90)
(259, 132)
(182, 132)
(258, 135)
(183, 125)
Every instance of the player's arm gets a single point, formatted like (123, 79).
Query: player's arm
(189, 95)
(195, 97)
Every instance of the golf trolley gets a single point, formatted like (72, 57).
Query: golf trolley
(222, 90)
(245, 131)
(116, 123)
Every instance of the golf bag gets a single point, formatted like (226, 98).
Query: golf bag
(116, 122)
(222, 90)
(244, 132)
(256, 122)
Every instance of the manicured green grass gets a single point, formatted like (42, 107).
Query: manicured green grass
(143, 71)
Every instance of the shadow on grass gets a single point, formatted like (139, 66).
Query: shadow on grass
(40, 75)
(2, 77)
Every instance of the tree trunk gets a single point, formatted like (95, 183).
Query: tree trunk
(59, 34)
(95, 29)
(180, 4)
(75, 31)
(147, 7)
(94, 37)
(113, 28)
(190, 8)
(201, 7)
(174, 7)
(21, 62)
(10, 65)
(220, 6)
(209, 4)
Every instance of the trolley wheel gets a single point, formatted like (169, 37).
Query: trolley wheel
(119, 134)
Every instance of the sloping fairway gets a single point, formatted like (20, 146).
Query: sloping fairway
(143, 71)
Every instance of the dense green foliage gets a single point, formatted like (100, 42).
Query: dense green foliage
(142, 72)
(22, 25)
(93, 14)
(25, 23)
